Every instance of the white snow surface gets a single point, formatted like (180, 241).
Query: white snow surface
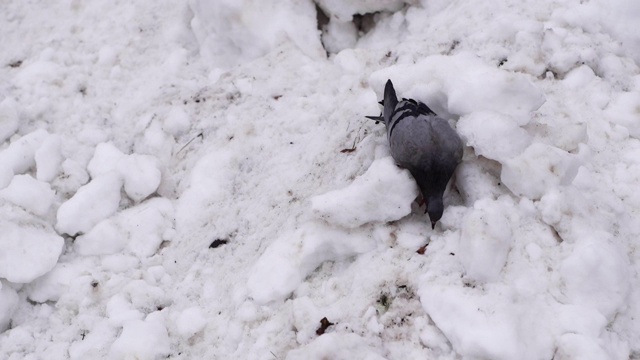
(196, 180)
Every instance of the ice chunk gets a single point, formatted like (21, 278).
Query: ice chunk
(30, 194)
(53, 284)
(29, 247)
(493, 135)
(140, 228)
(105, 159)
(8, 119)
(539, 169)
(288, 260)
(105, 238)
(120, 310)
(19, 157)
(384, 193)
(139, 339)
(141, 175)
(579, 77)
(93, 202)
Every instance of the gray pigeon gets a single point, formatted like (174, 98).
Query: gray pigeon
(422, 143)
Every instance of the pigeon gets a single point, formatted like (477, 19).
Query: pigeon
(422, 143)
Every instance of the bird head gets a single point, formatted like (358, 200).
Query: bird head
(435, 208)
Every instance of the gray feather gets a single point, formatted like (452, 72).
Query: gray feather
(424, 144)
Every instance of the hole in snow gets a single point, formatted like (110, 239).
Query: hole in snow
(364, 22)
(321, 17)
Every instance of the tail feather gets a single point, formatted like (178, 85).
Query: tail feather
(375, 118)
(390, 101)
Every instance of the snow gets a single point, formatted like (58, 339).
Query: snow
(30, 246)
(92, 203)
(146, 339)
(19, 156)
(9, 120)
(8, 303)
(196, 180)
(48, 159)
(30, 194)
(177, 121)
(384, 193)
(190, 321)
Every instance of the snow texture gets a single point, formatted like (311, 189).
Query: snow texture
(30, 247)
(196, 180)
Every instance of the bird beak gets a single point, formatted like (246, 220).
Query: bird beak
(433, 224)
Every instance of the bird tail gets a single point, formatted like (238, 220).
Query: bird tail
(375, 118)
(390, 101)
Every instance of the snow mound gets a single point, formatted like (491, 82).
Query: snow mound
(493, 135)
(30, 194)
(481, 326)
(208, 183)
(486, 239)
(231, 32)
(338, 347)
(587, 283)
(140, 173)
(53, 284)
(140, 339)
(106, 158)
(29, 247)
(141, 229)
(92, 203)
(111, 170)
(538, 170)
(383, 193)
(19, 157)
(293, 256)
(462, 84)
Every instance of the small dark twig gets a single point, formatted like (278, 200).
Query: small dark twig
(190, 141)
